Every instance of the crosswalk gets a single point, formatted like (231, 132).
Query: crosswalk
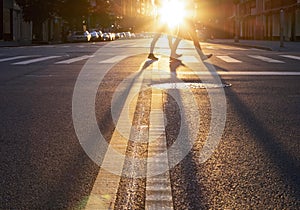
(63, 60)
(266, 59)
(35, 60)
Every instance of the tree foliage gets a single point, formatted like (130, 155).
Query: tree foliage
(38, 10)
(100, 13)
(74, 11)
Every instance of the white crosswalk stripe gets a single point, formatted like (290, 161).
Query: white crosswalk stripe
(14, 58)
(118, 58)
(72, 60)
(265, 59)
(35, 60)
(229, 59)
(291, 56)
(190, 59)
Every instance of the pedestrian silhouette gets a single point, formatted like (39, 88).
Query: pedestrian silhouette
(187, 28)
(162, 28)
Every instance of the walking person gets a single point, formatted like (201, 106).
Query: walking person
(188, 27)
(160, 29)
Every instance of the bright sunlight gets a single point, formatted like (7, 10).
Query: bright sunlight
(172, 12)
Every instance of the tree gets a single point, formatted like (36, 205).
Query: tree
(74, 12)
(101, 13)
(38, 11)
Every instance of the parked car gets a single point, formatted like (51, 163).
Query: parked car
(95, 36)
(106, 37)
(127, 35)
(112, 36)
(132, 36)
(100, 35)
(120, 35)
(79, 36)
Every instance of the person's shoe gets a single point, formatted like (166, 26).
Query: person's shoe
(205, 57)
(152, 57)
(175, 57)
(172, 59)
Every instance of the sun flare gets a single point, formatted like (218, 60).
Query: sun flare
(172, 12)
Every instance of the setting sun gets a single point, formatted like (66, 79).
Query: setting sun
(172, 12)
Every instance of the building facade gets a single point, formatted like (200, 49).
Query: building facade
(12, 26)
(135, 14)
(262, 19)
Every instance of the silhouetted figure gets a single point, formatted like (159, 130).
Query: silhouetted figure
(161, 28)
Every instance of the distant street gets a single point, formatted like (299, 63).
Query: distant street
(239, 110)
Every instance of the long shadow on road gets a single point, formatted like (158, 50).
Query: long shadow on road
(285, 162)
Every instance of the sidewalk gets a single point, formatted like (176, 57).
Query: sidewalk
(261, 44)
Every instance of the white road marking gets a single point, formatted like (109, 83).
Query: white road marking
(242, 73)
(257, 49)
(35, 60)
(291, 56)
(114, 59)
(14, 58)
(158, 188)
(266, 59)
(72, 60)
(104, 192)
(228, 59)
(190, 59)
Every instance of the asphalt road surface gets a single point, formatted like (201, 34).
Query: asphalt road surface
(98, 126)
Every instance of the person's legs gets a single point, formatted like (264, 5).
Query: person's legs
(153, 42)
(196, 42)
(152, 46)
(174, 47)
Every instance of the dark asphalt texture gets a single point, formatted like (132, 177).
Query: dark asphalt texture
(256, 164)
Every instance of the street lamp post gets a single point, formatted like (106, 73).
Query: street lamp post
(281, 28)
(237, 23)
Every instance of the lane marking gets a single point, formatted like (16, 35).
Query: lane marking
(158, 188)
(14, 58)
(104, 192)
(291, 56)
(242, 73)
(114, 59)
(72, 60)
(229, 59)
(35, 60)
(266, 59)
